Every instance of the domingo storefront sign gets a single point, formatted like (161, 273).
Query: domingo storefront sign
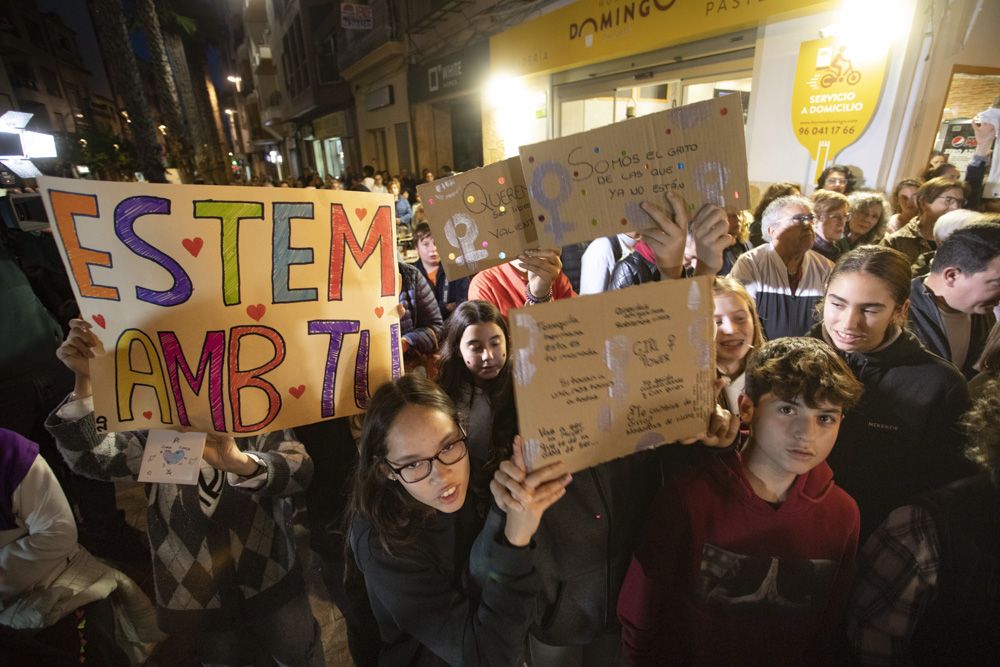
(835, 94)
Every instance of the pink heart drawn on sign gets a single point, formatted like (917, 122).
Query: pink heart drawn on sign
(256, 311)
(100, 320)
(194, 245)
(379, 311)
(148, 414)
(297, 391)
(361, 213)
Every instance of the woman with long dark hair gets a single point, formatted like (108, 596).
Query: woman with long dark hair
(903, 437)
(475, 372)
(417, 524)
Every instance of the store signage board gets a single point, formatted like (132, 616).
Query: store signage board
(603, 376)
(356, 17)
(230, 309)
(835, 95)
(592, 184)
(479, 218)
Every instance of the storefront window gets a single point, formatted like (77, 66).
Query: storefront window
(970, 93)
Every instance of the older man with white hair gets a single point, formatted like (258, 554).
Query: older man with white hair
(785, 276)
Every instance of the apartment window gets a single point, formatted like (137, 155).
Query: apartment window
(326, 60)
(21, 75)
(51, 82)
(294, 59)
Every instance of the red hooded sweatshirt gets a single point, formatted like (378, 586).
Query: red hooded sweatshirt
(722, 577)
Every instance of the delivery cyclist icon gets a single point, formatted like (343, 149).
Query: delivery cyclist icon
(840, 68)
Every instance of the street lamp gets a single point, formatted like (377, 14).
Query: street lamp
(235, 79)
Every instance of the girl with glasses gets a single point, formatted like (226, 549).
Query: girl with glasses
(417, 525)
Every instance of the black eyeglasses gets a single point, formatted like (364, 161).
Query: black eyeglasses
(419, 470)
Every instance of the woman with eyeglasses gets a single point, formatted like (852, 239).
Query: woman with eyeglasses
(837, 178)
(832, 212)
(417, 524)
(902, 438)
(934, 198)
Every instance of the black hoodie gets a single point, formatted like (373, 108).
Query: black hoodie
(903, 437)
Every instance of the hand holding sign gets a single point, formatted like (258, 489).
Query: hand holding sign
(525, 496)
(669, 236)
(76, 352)
(222, 454)
(543, 267)
(710, 231)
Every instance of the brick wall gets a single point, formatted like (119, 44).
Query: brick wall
(970, 94)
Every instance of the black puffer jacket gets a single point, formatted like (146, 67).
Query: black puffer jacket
(903, 438)
(633, 269)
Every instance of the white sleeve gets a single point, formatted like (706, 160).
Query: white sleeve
(745, 271)
(596, 266)
(78, 409)
(254, 481)
(39, 556)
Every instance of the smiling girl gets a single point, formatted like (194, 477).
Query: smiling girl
(737, 331)
(475, 373)
(902, 439)
(417, 527)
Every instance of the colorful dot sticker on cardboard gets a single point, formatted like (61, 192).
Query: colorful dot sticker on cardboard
(624, 221)
(668, 130)
(541, 218)
(486, 244)
(451, 256)
(531, 158)
(430, 201)
(501, 180)
(723, 111)
(502, 255)
(583, 191)
(470, 199)
(503, 209)
(597, 149)
(680, 165)
(594, 222)
(736, 195)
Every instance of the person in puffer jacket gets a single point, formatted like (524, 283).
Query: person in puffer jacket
(903, 437)
(421, 323)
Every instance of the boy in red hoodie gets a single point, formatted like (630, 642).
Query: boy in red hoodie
(748, 559)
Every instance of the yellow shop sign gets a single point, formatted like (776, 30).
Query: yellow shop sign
(835, 94)
(592, 31)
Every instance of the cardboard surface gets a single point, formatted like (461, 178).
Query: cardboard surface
(230, 309)
(600, 377)
(591, 184)
(479, 218)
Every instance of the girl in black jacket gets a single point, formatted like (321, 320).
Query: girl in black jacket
(902, 438)
(475, 372)
(416, 524)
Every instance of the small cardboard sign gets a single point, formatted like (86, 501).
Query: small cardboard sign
(172, 457)
(607, 375)
(479, 218)
(591, 184)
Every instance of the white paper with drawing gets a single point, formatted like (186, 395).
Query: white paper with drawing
(603, 376)
(592, 184)
(172, 457)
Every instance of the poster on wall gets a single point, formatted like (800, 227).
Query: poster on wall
(602, 376)
(230, 309)
(835, 94)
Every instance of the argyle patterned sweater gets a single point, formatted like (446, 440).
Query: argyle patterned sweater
(210, 572)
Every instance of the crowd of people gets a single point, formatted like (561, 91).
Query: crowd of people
(841, 506)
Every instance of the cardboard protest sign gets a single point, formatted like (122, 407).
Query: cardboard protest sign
(599, 377)
(479, 218)
(230, 309)
(591, 184)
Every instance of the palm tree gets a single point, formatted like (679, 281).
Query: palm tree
(110, 22)
(178, 137)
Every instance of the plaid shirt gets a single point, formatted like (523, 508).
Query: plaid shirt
(896, 581)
